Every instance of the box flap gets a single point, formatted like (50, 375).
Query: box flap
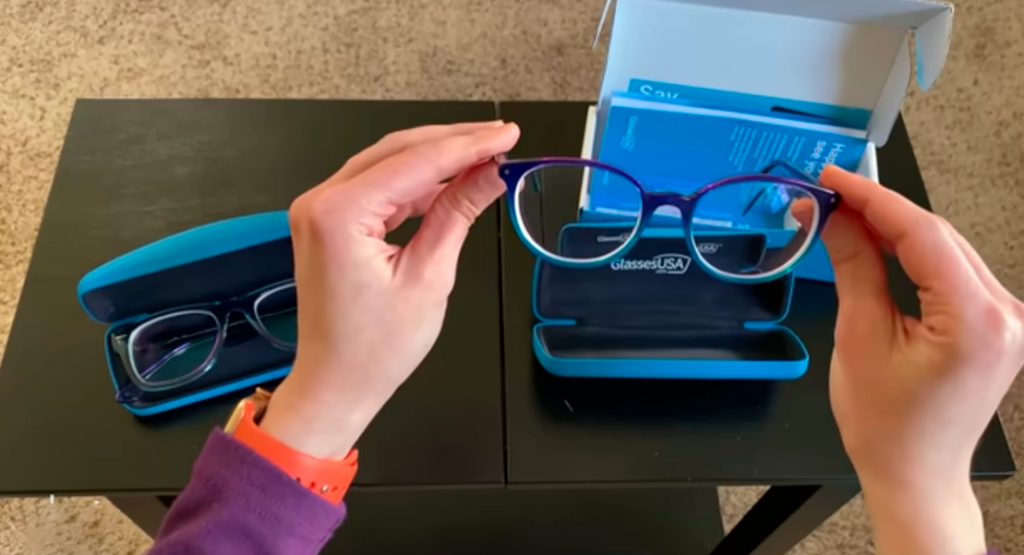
(848, 57)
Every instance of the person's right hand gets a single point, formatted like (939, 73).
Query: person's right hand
(912, 396)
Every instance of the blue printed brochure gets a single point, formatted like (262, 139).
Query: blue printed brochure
(681, 146)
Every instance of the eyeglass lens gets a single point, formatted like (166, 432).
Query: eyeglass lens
(173, 348)
(781, 217)
(277, 311)
(542, 222)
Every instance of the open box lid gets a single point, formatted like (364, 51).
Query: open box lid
(850, 58)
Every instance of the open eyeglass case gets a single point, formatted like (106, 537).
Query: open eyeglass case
(207, 264)
(656, 314)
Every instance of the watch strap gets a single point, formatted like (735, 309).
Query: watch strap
(328, 478)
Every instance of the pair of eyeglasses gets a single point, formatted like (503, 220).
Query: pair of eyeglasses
(176, 347)
(785, 212)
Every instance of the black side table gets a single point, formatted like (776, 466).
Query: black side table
(475, 453)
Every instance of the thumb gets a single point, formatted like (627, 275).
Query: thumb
(866, 308)
(433, 253)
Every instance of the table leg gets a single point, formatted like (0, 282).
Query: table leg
(146, 511)
(783, 517)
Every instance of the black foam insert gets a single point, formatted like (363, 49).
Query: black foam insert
(657, 303)
(656, 285)
(594, 342)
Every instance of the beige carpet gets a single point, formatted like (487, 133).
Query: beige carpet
(968, 133)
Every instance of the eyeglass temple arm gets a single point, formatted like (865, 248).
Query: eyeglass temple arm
(788, 167)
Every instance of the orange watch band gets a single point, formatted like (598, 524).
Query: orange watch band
(329, 478)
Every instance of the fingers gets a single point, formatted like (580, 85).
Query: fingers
(929, 256)
(396, 142)
(418, 170)
(865, 305)
(381, 197)
(436, 246)
(803, 211)
(416, 208)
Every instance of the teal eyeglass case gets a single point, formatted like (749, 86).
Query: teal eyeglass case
(656, 314)
(206, 264)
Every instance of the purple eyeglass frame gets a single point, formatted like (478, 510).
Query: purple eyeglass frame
(513, 171)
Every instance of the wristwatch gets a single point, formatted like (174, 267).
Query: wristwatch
(329, 478)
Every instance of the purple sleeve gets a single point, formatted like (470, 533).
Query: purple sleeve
(238, 502)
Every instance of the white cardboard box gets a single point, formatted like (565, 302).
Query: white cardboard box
(848, 53)
(852, 54)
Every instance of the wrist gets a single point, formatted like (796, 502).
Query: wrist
(322, 424)
(927, 515)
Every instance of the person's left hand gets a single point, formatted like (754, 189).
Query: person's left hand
(369, 311)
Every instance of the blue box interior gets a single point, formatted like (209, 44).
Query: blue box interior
(204, 265)
(657, 314)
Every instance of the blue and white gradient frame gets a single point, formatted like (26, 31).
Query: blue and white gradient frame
(512, 173)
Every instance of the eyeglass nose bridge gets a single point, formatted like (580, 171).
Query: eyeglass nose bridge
(250, 330)
(253, 323)
(242, 316)
(684, 204)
